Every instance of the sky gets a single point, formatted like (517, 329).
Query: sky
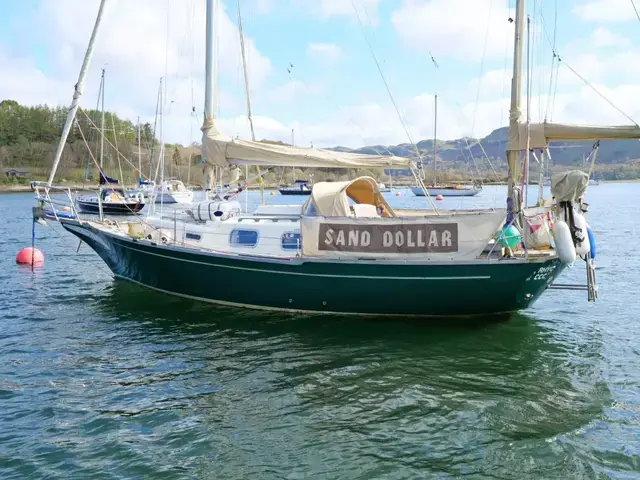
(313, 64)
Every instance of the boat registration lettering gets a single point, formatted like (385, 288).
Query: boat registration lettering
(544, 272)
(398, 238)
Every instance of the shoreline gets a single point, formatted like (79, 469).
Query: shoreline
(8, 189)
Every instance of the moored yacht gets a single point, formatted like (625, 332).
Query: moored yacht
(173, 191)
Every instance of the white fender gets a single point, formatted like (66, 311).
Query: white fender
(564, 242)
(583, 247)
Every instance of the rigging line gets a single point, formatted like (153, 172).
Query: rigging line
(484, 54)
(555, 87)
(384, 80)
(244, 71)
(553, 61)
(484, 152)
(586, 82)
(601, 95)
(248, 95)
(115, 140)
(472, 157)
(166, 54)
(505, 72)
(88, 168)
(216, 59)
(537, 49)
(93, 125)
(635, 10)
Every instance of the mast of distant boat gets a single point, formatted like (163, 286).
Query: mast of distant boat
(79, 87)
(139, 153)
(102, 127)
(435, 147)
(293, 143)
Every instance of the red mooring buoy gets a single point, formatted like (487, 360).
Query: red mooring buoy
(29, 256)
(439, 197)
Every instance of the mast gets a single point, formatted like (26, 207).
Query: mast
(293, 169)
(435, 147)
(153, 134)
(513, 156)
(209, 89)
(102, 127)
(159, 110)
(139, 153)
(77, 94)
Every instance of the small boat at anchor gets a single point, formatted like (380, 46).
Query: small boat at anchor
(446, 191)
(173, 191)
(299, 187)
(111, 200)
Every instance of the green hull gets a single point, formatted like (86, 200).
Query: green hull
(363, 287)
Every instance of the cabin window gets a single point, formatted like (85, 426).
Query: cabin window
(193, 236)
(243, 238)
(290, 241)
(310, 210)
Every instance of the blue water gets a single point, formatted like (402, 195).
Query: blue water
(103, 379)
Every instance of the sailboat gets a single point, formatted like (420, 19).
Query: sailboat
(173, 191)
(299, 187)
(144, 187)
(346, 250)
(443, 190)
(111, 199)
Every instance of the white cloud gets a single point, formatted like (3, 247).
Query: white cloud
(327, 51)
(261, 7)
(604, 38)
(291, 91)
(366, 10)
(601, 11)
(455, 28)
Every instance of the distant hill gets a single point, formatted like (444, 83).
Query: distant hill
(495, 146)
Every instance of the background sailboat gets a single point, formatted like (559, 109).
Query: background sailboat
(112, 199)
(444, 190)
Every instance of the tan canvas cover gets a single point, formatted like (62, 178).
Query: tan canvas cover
(441, 238)
(569, 186)
(221, 151)
(331, 199)
(541, 134)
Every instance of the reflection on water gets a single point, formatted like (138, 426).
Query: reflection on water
(104, 379)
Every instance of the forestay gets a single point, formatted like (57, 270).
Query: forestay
(441, 238)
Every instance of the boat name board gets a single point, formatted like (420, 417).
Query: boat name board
(396, 238)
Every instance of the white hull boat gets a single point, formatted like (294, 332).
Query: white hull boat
(446, 192)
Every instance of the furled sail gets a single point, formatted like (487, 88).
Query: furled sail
(220, 151)
(541, 134)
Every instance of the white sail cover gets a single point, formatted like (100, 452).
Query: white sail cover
(222, 151)
(435, 238)
(541, 134)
